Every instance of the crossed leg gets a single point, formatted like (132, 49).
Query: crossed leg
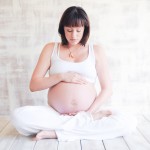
(52, 134)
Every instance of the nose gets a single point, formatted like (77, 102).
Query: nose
(74, 34)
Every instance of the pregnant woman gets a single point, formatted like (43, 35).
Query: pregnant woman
(74, 107)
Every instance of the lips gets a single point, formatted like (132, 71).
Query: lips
(73, 39)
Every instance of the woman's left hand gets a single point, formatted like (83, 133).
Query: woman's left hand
(70, 114)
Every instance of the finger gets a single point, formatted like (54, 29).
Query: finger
(78, 82)
(81, 81)
(65, 114)
(72, 114)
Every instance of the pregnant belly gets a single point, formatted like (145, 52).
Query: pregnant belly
(71, 98)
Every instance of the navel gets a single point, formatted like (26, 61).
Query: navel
(74, 102)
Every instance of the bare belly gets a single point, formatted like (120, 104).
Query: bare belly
(71, 98)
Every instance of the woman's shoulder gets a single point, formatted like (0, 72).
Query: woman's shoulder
(49, 47)
(99, 52)
(98, 48)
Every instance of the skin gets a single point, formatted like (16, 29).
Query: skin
(40, 82)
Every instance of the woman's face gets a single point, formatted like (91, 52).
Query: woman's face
(74, 34)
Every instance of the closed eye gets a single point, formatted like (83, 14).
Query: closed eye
(69, 30)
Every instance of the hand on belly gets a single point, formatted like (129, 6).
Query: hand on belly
(69, 114)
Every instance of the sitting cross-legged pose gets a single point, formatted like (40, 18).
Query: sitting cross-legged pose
(74, 106)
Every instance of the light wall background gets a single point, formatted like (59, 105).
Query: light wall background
(121, 26)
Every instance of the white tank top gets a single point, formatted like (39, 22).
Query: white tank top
(86, 67)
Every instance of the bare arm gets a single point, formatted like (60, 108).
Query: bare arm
(104, 79)
(40, 82)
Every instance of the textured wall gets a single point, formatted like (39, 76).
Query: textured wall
(121, 26)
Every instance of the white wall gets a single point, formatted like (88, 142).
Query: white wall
(121, 26)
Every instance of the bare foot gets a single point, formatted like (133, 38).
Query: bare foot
(101, 114)
(45, 135)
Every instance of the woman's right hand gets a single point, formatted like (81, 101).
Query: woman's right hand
(73, 77)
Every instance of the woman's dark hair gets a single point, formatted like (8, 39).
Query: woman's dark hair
(74, 17)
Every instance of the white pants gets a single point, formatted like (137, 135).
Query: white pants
(29, 120)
